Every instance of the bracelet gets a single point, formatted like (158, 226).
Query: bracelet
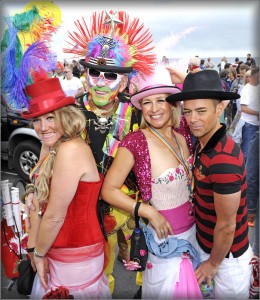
(133, 209)
(137, 208)
(30, 250)
(37, 254)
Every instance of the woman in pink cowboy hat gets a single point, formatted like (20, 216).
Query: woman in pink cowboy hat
(66, 245)
(161, 161)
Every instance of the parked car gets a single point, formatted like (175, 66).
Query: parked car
(20, 144)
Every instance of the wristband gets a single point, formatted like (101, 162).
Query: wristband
(37, 254)
(30, 250)
(133, 209)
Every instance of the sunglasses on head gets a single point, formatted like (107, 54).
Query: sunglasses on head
(107, 75)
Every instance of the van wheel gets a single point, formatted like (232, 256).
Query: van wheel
(25, 157)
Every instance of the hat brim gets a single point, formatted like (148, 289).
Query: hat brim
(218, 95)
(135, 98)
(102, 68)
(44, 110)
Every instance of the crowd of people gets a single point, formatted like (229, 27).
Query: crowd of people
(147, 134)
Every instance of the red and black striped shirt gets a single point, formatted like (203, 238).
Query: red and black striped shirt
(220, 168)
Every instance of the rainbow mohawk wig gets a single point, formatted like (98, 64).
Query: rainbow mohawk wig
(114, 44)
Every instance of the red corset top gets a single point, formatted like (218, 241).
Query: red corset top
(81, 226)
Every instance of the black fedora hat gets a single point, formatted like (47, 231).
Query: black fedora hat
(205, 84)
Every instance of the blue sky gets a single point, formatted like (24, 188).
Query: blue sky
(180, 29)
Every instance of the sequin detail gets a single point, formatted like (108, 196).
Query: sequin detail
(136, 143)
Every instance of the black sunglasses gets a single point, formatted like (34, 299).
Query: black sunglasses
(108, 76)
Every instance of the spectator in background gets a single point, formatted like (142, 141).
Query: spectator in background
(59, 71)
(194, 65)
(75, 69)
(83, 78)
(227, 66)
(237, 123)
(250, 61)
(222, 63)
(239, 81)
(250, 109)
(72, 86)
(252, 196)
(202, 64)
(209, 64)
(165, 61)
(236, 87)
(65, 63)
(230, 110)
(236, 60)
(231, 76)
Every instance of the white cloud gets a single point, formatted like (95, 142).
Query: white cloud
(167, 44)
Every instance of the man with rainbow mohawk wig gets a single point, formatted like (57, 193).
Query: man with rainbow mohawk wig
(113, 47)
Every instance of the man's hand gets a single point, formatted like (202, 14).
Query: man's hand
(28, 206)
(205, 272)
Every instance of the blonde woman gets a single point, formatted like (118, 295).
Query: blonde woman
(66, 244)
(160, 159)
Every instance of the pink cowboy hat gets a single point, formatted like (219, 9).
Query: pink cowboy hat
(158, 83)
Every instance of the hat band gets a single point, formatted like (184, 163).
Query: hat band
(97, 61)
(153, 87)
(38, 106)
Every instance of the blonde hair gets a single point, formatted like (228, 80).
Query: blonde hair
(73, 123)
(246, 76)
(175, 119)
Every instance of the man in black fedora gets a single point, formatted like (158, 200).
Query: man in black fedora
(219, 188)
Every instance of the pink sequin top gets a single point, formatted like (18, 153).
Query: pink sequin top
(137, 144)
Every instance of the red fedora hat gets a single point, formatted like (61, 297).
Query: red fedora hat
(45, 96)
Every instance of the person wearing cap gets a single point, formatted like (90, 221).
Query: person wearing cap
(65, 240)
(161, 161)
(219, 188)
(113, 46)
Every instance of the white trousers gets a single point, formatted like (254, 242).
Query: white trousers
(232, 281)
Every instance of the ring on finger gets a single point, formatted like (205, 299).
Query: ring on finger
(162, 231)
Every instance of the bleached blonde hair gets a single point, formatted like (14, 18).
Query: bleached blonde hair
(73, 123)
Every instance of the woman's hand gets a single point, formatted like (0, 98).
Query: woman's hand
(160, 224)
(42, 270)
(31, 256)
